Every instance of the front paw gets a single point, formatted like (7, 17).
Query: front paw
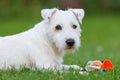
(67, 67)
(75, 66)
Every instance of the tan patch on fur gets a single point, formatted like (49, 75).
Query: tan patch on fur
(55, 30)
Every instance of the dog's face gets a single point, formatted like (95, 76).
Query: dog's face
(63, 27)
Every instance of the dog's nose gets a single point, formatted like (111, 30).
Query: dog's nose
(70, 42)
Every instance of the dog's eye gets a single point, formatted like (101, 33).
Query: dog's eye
(58, 27)
(74, 26)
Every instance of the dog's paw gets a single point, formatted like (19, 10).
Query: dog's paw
(75, 66)
(67, 67)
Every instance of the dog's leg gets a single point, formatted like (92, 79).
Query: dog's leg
(67, 67)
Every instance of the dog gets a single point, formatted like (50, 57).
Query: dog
(44, 45)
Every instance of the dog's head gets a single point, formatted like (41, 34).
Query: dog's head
(63, 27)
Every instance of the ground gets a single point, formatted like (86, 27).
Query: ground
(100, 41)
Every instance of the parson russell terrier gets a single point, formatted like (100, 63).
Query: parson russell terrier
(44, 45)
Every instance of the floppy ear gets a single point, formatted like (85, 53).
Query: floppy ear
(79, 13)
(48, 13)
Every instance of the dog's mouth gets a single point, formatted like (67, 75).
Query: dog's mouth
(70, 48)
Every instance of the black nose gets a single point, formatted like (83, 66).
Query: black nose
(70, 42)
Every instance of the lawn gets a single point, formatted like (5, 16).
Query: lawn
(100, 41)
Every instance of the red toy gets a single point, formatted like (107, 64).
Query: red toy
(107, 65)
(99, 65)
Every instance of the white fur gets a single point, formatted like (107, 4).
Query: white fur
(42, 46)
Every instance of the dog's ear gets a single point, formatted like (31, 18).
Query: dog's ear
(79, 13)
(48, 13)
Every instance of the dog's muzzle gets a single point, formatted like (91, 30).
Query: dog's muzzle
(70, 43)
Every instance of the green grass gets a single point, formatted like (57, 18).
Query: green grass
(100, 40)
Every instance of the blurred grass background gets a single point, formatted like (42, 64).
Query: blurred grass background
(100, 28)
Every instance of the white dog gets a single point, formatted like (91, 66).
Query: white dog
(44, 45)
